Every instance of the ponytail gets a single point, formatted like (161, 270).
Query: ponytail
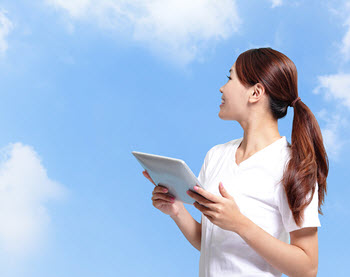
(308, 163)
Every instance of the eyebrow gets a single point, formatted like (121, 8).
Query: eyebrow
(230, 70)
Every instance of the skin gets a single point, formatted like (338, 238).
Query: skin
(249, 107)
(190, 228)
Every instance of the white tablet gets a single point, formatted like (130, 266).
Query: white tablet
(171, 173)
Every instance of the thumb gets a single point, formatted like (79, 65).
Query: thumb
(223, 191)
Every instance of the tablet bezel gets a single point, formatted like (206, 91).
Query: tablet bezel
(177, 188)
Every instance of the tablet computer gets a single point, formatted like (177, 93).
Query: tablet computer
(174, 174)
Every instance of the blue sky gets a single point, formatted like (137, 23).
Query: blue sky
(84, 83)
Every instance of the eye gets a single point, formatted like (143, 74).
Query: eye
(229, 77)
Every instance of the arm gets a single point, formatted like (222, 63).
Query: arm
(300, 258)
(191, 229)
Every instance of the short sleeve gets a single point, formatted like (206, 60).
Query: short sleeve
(311, 218)
(202, 177)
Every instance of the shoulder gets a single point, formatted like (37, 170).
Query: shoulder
(277, 160)
(281, 153)
(286, 153)
(222, 148)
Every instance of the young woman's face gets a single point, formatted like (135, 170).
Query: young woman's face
(235, 98)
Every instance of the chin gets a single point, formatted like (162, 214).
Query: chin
(220, 114)
(223, 117)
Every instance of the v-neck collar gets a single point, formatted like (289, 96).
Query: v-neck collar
(256, 154)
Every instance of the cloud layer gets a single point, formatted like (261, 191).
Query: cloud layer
(24, 190)
(5, 28)
(345, 43)
(175, 29)
(335, 88)
(332, 132)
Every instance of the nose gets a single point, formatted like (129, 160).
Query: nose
(221, 90)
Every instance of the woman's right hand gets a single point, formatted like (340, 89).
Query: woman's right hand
(163, 201)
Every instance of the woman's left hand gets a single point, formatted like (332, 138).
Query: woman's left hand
(221, 211)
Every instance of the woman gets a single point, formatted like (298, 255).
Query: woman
(260, 191)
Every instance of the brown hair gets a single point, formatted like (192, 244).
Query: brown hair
(309, 162)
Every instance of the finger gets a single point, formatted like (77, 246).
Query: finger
(206, 194)
(209, 217)
(209, 205)
(164, 197)
(157, 203)
(155, 191)
(146, 174)
(199, 198)
(161, 188)
(148, 177)
(205, 210)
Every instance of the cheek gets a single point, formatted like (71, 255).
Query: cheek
(233, 108)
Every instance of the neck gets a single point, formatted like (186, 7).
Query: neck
(257, 135)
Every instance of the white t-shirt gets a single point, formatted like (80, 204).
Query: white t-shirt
(255, 185)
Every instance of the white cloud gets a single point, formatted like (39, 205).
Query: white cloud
(175, 29)
(76, 8)
(5, 27)
(24, 190)
(345, 43)
(336, 86)
(332, 132)
(276, 3)
(341, 12)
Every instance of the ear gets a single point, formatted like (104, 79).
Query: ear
(256, 93)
